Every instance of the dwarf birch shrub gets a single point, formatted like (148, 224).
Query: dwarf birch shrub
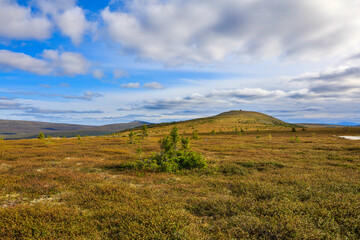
(132, 136)
(144, 131)
(195, 135)
(41, 135)
(175, 155)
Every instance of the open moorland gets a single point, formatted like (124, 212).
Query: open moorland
(14, 129)
(264, 179)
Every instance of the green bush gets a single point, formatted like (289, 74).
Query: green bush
(78, 137)
(145, 131)
(132, 136)
(175, 155)
(41, 136)
(195, 135)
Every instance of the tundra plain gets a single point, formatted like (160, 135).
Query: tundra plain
(263, 180)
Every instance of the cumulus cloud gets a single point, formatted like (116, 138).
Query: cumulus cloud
(21, 61)
(153, 85)
(53, 7)
(181, 32)
(67, 63)
(17, 22)
(131, 85)
(69, 18)
(53, 62)
(73, 24)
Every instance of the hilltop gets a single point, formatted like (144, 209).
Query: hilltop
(226, 122)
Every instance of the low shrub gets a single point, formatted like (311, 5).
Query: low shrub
(195, 135)
(144, 131)
(175, 155)
(132, 137)
(41, 135)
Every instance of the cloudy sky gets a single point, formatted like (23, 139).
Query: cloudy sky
(100, 62)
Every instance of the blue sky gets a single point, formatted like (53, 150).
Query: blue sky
(102, 62)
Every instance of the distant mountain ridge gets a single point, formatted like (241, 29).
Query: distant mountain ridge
(224, 122)
(329, 125)
(15, 129)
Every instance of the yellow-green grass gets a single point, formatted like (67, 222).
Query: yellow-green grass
(265, 184)
(232, 121)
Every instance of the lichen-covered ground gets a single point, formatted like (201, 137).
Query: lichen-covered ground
(258, 185)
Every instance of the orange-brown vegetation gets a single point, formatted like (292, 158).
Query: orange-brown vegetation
(267, 184)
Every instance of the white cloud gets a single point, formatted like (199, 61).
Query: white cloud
(334, 81)
(73, 23)
(17, 22)
(247, 93)
(9, 105)
(131, 85)
(118, 73)
(98, 74)
(70, 18)
(67, 63)
(53, 62)
(153, 85)
(53, 7)
(215, 98)
(86, 96)
(201, 31)
(21, 61)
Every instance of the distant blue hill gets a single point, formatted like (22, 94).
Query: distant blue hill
(15, 129)
(340, 124)
(348, 124)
